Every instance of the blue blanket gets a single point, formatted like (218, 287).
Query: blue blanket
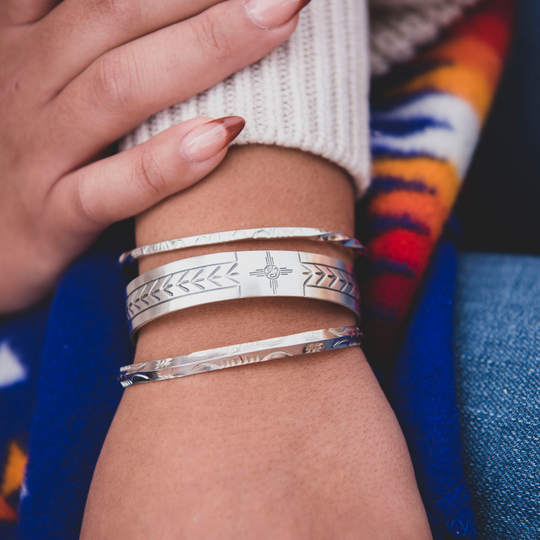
(58, 391)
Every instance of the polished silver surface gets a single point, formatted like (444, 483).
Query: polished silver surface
(244, 234)
(242, 274)
(240, 355)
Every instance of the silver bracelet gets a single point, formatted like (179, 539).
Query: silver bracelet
(242, 274)
(245, 234)
(240, 355)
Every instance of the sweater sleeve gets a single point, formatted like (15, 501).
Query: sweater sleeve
(310, 93)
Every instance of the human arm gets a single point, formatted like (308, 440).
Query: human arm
(298, 448)
(303, 447)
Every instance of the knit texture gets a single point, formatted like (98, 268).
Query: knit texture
(310, 93)
(426, 121)
(422, 393)
(399, 27)
(426, 118)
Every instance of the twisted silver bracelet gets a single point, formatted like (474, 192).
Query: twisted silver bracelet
(309, 233)
(240, 355)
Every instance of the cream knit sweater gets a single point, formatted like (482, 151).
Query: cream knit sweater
(311, 92)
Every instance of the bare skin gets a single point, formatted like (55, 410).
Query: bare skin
(75, 76)
(292, 449)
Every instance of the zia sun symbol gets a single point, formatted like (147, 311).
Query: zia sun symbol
(271, 271)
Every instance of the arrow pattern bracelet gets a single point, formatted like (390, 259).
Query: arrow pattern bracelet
(337, 238)
(240, 355)
(242, 274)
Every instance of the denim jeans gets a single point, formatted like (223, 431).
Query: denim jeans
(497, 363)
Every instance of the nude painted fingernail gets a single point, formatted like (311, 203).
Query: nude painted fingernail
(272, 13)
(209, 139)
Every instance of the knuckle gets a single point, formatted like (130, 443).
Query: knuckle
(147, 174)
(212, 35)
(110, 85)
(115, 12)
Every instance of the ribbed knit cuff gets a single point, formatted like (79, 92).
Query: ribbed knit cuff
(310, 93)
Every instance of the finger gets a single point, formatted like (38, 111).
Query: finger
(18, 12)
(126, 184)
(129, 84)
(91, 28)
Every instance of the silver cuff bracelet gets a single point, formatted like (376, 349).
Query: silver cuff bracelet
(240, 355)
(245, 234)
(242, 274)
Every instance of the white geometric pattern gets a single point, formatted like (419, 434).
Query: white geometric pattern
(11, 369)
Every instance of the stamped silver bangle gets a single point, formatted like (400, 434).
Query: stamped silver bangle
(241, 274)
(308, 233)
(240, 355)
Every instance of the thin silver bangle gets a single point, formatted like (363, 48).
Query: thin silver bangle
(242, 274)
(240, 355)
(244, 234)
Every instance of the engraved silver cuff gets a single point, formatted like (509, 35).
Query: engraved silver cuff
(242, 274)
(240, 355)
(309, 233)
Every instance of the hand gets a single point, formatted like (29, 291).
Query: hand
(75, 77)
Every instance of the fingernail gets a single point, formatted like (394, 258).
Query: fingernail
(272, 13)
(209, 139)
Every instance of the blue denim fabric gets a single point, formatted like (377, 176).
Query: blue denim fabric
(497, 363)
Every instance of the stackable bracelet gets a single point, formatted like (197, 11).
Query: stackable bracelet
(308, 233)
(240, 355)
(242, 274)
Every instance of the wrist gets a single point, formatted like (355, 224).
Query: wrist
(300, 447)
(255, 187)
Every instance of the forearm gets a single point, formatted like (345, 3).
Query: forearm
(299, 448)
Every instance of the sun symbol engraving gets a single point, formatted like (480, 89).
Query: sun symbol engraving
(271, 272)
